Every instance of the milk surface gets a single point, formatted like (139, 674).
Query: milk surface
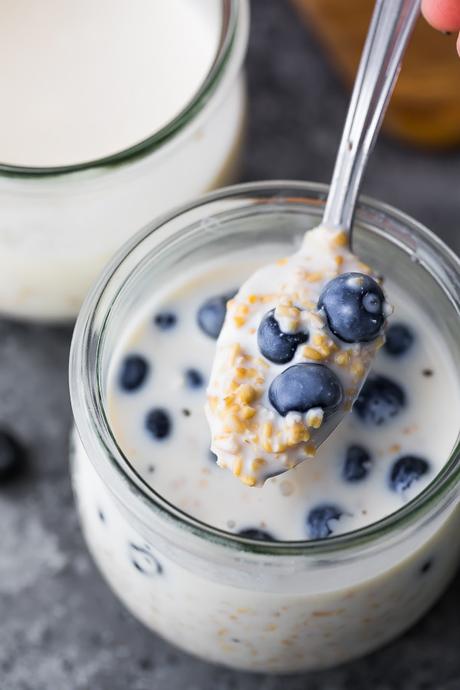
(181, 468)
(83, 80)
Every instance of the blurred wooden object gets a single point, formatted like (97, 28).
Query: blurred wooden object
(425, 108)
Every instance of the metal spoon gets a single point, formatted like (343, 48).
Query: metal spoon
(264, 421)
(389, 32)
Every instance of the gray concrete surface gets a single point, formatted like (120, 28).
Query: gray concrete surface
(60, 626)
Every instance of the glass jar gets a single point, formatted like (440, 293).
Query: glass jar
(260, 606)
(59, 226)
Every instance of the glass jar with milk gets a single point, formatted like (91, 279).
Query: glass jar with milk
(226, 571)
(112, 113)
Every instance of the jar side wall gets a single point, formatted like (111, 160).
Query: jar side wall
(256, 626)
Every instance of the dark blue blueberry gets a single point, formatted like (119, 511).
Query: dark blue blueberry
(143, 560)
(276, 346)
(158, 422)
(212, 456)
(134, 370)
(319, 518)
(354, 307)
(12, 456)
(165, 320)
(303, 386)
(256, 533)
(380, 400)
(194, 378)
(406, 470)
(357, 464)
(399, 339)
(211, 314)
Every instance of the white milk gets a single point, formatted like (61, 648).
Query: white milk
(256, 613)
(179, 467)
(83, 80)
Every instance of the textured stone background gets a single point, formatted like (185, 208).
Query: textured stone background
(60, 627)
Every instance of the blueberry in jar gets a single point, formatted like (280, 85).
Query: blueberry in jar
(134, 370)
(354, 307)
(12, 456)
(399, 339)
(357, 464)
(319, 519)
(407, 470)
(194, 378)
(301, 387)
(379, 400)
(256, 533)
(165, 320)
(158, 423)
(276, 346)
(211, 314)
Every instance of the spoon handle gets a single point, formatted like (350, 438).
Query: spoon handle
(390, 29)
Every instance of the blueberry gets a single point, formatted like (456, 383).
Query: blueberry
(134, 370)
(303, 386)
(144, 561)
(12, 456)
(212, 456)
(165, 320)
(194, 378)
(399, 339)
(354, 307)
(357, 464)
(406, 470)
(211, 314)
(380, 399)
(256, 533)
(276, 346)
(319, 518)
(158, 422)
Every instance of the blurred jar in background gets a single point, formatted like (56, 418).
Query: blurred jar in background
(112, 113)
(425, 108)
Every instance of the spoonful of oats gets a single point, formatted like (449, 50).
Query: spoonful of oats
(300, 335)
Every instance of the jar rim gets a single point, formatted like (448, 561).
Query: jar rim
(233, 39)
(87, 404)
